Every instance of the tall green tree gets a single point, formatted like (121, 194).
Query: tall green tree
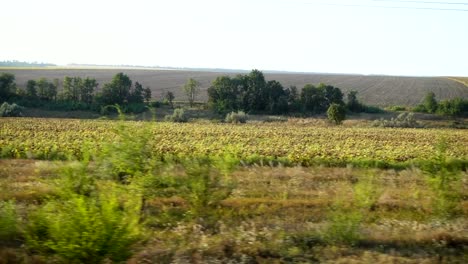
(86, 89)
(353, 103)
(255, 93)
(72, 88)
(118, 90)
(223, 95)
(147, 94)
(31, 91)
(191, 90)
(42, 88)
(136, 95)
(311, 98)
(169, 96)
(277, 98)
(7, 85)
(331, 95)
(430, 103)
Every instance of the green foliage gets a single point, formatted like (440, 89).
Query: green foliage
(31, 91)
(444, 182)
(177, 116)
(191, 89)
(117, 91)
(7, 86)
(8, 222)
(46, 91)
(336, 113)
(403, 120)
(236, 117)
(397, 108)
(430, 103)
(419, 108)
(454, 107)
(343, 227)
(169, 96)
(128, 154)
(353, 104)
(319, 99)
(85, 229)
(10, 110)
(203, 188)
(147, 94)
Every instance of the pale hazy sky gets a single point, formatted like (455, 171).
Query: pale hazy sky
(335, 36)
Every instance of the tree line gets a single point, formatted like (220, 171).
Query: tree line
(77, 93)
(451, 107)
(252, 93)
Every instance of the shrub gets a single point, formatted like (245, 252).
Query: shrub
(155, 104)
(236, 117)
(419, 108)
(10, 110)
(8, 221)
(86, 229)
(343, 227)
(444, 182)
(135, 108)
(454, 107)
(178, 116)
(397, 108)
(336, 113)
(404, 120)
(370, 109)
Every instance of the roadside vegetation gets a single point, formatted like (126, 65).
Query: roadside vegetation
(138, 192)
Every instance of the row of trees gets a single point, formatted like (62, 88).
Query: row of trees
(76, 91)
(453, 107)
(252, 93)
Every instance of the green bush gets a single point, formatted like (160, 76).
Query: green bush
(177, 116)
(10, 110)
(454, 107)
(236, 117)
(343, 226)
(419, 108)
(86, 229)
(397, 108)
(445, 183)
(8, 222)
(403, 120)
(336, 113)
(129, 154)
(372, 109)
(135, 108)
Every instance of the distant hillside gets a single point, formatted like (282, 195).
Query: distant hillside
(373, 90)
(15, 63)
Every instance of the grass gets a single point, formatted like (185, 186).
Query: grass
(277, 214)
(116, 198)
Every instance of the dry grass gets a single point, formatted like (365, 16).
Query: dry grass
(277, 215)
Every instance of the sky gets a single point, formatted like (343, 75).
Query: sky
(392, 37)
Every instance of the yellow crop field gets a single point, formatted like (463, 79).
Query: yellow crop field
(278, 142)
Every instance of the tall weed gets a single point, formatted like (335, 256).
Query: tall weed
(87, 229)
(8, 222)
(445, 182)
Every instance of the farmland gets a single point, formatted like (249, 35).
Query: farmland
(201, 192)
(287, 142)
(372, 90)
